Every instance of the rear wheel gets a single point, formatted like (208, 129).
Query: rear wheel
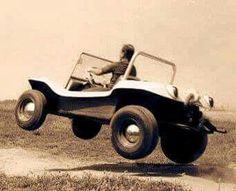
(134, 132)
(84, 128)
(30, 111)
(183, 146)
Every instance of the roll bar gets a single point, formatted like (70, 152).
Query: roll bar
(138, 53)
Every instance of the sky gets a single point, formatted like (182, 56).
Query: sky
(45, 38)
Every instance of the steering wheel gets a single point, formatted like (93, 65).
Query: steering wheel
(92, 82)
(90, 79)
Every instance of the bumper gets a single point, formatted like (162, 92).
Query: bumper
(208, 127)
(204, 125)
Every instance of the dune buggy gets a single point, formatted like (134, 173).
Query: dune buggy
(139, 109)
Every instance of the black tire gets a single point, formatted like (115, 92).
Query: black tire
(34, 119)
(84, 128)
(147, 126)
(183, 146)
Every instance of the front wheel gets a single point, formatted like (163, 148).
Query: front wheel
(134, 132)
(183, 146)
(30, 111)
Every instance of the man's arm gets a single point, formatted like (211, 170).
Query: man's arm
(105, 70)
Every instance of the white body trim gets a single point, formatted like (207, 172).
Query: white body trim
(153, 87)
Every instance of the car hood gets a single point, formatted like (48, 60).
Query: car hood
(189, 96)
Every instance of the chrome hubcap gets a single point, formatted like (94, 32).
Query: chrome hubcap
(132, 133)
(27, 110)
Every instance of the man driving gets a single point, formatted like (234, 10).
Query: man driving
(118, 68)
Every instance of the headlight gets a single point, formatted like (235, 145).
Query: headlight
(172, 90)
(207, 101)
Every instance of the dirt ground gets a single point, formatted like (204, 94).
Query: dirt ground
(22, 162)
(54, 150)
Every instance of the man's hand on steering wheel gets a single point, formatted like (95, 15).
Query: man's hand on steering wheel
(95, 70)
(92, 81)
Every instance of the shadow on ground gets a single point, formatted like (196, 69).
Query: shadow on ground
(217, 174)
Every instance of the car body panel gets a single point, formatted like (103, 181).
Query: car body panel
(102, 105)
(153, 87)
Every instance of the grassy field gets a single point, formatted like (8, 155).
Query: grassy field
(57, 138)
(86, 183)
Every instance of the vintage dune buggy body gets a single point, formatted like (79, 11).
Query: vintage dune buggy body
(139, 108)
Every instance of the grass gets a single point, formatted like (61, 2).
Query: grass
(86, 183)
(56, 137)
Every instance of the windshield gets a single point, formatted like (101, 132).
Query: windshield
(85, 63)
(153, 69)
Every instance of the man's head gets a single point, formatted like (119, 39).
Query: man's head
(127, 52)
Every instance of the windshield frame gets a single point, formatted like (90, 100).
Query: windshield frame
(141, 53)
(79, 62)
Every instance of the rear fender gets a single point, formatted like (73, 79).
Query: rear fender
(71, 104)
(47, 91)
(41, 86)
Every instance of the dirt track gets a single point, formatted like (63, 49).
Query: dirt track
(21, 162)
